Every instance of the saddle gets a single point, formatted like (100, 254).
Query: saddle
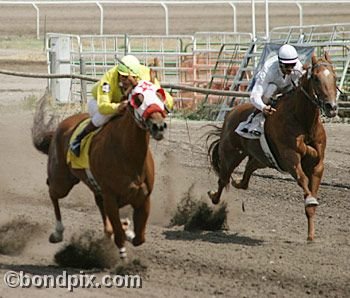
(81, 162)
(253, 128)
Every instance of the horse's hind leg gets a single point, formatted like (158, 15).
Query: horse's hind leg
(112, 212)
(232, 160)
(140, 217)
(58, 189)
(108, 229)
(251, 166)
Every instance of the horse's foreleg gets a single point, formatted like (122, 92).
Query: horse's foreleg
(112, 213)
(108, 229)
(315, 173)
(309, 200)
(251, 166)
(140, 217)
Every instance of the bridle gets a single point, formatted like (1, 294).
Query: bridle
(139, 120)
(316, 99)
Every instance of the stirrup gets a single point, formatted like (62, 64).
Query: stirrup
(75, 148)
(256, 133)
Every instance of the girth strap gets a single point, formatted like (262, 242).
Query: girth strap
(92, 181)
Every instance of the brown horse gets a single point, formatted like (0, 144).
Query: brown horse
(294, 132)
(120, 161)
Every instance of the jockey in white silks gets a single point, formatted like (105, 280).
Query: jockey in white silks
(279, 74)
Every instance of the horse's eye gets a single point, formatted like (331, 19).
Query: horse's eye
(138, 99)
(316, 79)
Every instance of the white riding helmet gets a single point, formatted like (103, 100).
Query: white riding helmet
(287, 54)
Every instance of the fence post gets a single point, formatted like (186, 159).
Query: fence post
(101, 17)
(37, 21)
(166, 18)
(83, 94)
(234, 17)
(253, 19)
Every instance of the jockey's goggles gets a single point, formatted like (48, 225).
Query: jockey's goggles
(287, 65)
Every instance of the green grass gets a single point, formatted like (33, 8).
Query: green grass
(19, 42)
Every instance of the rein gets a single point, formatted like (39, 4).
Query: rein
(141, 123)
(315, 99)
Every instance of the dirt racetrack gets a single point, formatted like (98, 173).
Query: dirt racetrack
(264, 252)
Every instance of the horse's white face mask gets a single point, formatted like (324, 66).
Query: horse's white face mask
(147, 98)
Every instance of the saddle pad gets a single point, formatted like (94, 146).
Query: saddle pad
(258, 124)
(81, 162)
(268, 153)
(245, 128)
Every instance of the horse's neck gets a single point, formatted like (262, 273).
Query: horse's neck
(305, 110)
(130, 136)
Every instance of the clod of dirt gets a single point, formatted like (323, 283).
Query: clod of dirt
(14, 235)
(88, 251)
(197, 215)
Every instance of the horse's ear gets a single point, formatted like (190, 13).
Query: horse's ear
(306, 66)
(327, 56)
(314, 58)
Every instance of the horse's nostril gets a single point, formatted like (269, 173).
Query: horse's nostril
(165, 126)
(331, 106)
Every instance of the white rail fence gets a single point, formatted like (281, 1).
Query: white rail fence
(199, 60)
(167, 4)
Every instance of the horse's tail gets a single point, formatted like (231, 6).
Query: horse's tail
(213, 149)
(42, 132)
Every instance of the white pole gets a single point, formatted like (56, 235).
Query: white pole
(101, 17)
(300, 14)
(234, 17)
(253, 19)
(166, 18)
(267, 17)
(37, 21)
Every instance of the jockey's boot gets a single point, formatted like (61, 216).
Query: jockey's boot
(75, 145)
(256, 112)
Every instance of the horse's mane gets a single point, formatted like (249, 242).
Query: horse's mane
(121, 112)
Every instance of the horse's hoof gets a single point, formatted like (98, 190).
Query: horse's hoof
(235, 184)
(54, 238)
(238, 185)
(213, 196)
(130, 235)
(137, 242)
(310, 240)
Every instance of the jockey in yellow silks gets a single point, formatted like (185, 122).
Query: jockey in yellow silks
(114, 88)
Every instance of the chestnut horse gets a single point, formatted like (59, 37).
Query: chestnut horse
(294, 132)
(120, 161)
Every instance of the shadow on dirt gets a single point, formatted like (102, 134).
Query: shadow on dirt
(213, 237)
(43, 269)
